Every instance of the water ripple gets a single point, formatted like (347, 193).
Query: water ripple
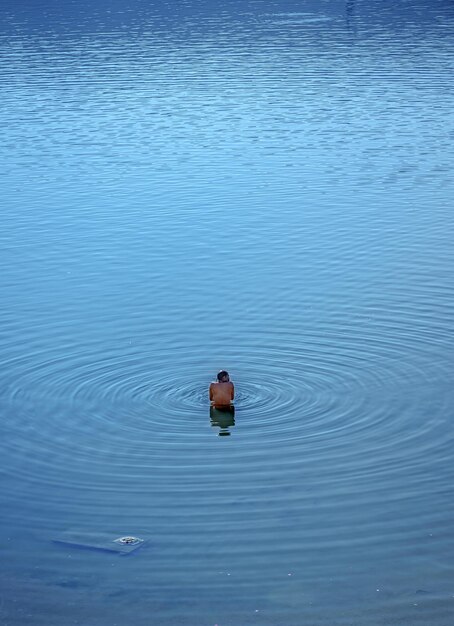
(265, 190)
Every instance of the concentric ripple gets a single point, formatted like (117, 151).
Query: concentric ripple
(262, 189)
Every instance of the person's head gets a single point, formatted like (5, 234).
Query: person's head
(223, 376)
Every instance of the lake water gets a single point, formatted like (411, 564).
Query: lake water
(259, 186)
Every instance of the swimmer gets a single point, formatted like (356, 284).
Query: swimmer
(222, 392)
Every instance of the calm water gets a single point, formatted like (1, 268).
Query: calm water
(258, 186)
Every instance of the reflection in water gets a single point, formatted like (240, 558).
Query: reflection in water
(262, 185)
(350, 14)
(222, 418)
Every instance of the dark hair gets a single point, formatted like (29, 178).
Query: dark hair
(222, 375)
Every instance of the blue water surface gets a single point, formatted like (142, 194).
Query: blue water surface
(260, 186)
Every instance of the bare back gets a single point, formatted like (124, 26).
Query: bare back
(222, 394)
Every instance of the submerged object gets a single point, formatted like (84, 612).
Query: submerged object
(128, 541)
(100, 541)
